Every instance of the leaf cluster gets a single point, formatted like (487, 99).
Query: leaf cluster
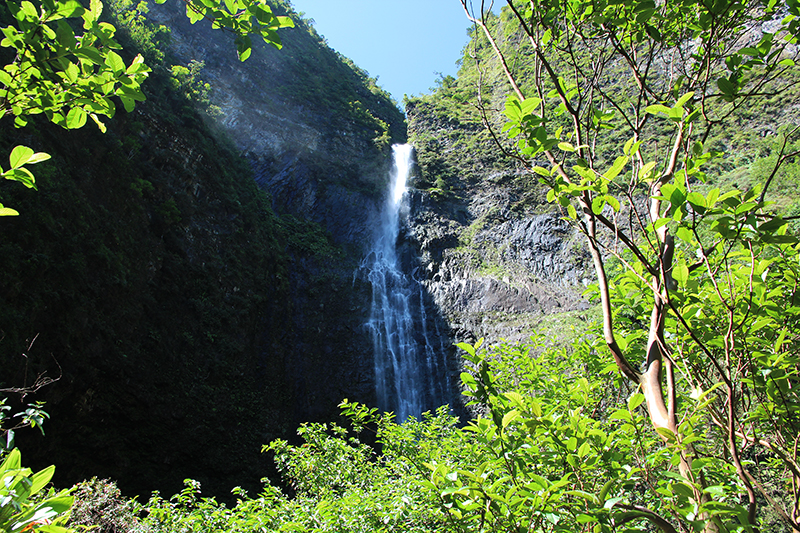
(243, 18)
(20, 509)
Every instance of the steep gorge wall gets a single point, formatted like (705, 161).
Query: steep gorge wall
(317, 132)
(189, 274)
(494, 256)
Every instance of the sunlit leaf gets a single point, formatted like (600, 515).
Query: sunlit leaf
(680, 272)
(20, 155)
(635, 401)
(76, 118)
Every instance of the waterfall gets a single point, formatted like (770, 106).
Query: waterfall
(410, 369)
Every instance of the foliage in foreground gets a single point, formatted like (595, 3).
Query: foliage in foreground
(71, 78)
(24, 502)
(706, 310)
(563, 444)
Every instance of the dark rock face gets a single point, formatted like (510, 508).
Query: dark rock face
(193, 316)
(493, 258)
(325, 195)
(290, 113)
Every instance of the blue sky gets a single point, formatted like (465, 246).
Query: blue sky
(403, 43)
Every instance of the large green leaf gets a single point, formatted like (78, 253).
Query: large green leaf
(76, 118)
(7, 211)
(12, 462)
(20, 156)
(42, 478)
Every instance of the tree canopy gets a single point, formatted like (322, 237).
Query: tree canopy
(696, 284)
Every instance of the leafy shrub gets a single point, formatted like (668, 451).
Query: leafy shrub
(100, 505)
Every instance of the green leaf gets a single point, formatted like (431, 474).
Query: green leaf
(76, 118)
(72, 72)
(621, 414)
(683, 99)
(627, 148)
(22, 175)
(657, 108)
(598, 203)
(661, 222)
(684, 234)
(571, 212)
(772, 225)
(565, 146)
(51, 528)
(666, 433)
(726, 86)
(13, 461)
(635, 401)
(584, 449)
(263, 14)
(20, 156)
(613, 202)
(98, 122)
(616, 168)
(682, 489)
(653, 32)
(515, 397)
(243, 46)
(137, 65)
(115, 62)
(611, 502)
(510, 417)
(467, 348)
(60, 503)
(38, 157)
(8, 212)
(585, 495)
(68, 9)
(127, 102)
(779, 341)
(711, 199)
(29, 10)
(41, 478)
(680, 272)
(697, 200)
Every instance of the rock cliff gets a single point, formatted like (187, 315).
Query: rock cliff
(493, 255)
(316, 131)
(191, 316)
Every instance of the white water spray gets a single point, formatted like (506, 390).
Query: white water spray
(410, 373)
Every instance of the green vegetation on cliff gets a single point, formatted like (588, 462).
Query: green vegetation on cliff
(152, 276)
(333, 86)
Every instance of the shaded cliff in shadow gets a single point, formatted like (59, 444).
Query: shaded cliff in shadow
(189, 274)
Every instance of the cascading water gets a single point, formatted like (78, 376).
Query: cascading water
(410, 369)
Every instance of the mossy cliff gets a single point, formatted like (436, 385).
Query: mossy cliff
(191, 315)
(496, 257)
